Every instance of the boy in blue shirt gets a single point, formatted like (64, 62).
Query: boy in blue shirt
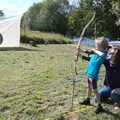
(94, 67)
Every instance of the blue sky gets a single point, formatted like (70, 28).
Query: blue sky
(14, 7)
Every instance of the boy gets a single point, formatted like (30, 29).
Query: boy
(94, 67)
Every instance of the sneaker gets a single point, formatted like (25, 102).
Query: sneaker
(99, 109)
(86, 102)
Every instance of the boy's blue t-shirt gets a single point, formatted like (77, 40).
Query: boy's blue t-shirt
(94, 65)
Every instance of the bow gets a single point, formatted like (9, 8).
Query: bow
(83, 32)
(78, 48)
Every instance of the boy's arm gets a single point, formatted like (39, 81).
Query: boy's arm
(98, 52)
(93, 51)
(79, 51)
(87, 58)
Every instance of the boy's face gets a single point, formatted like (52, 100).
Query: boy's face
(97, 46)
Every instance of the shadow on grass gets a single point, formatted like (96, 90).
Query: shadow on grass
(16, 49)
(115, 115)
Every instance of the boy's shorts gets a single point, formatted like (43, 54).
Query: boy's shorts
(92, 83)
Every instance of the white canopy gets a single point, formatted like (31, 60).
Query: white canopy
(10, 32)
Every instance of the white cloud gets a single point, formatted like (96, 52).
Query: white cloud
(7, 6)
(12, 9)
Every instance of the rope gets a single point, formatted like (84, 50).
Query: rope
(70, 114)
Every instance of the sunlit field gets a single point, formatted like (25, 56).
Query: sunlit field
(36, 84)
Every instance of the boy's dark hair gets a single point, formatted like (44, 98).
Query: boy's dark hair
(116, 55)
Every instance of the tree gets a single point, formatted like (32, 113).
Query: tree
(107, 18)
(49, 16)
(116, 10)
(80, 16)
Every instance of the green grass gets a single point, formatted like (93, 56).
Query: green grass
(44, 38)
(35, 84)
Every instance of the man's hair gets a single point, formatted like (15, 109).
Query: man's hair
(102, 42)
(116, 56)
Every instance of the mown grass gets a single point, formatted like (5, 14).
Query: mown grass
(35, 84)
(44, 38)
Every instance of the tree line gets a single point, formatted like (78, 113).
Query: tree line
(59, 16)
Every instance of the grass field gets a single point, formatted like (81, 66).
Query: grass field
(35, 84)
(44, 38)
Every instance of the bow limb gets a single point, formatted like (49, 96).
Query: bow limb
(83, 32)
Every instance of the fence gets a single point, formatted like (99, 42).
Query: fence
(86, 41)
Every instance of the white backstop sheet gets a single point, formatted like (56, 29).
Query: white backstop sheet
(10, 32)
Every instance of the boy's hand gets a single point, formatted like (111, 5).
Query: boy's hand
(90, 79)
(78, 51)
